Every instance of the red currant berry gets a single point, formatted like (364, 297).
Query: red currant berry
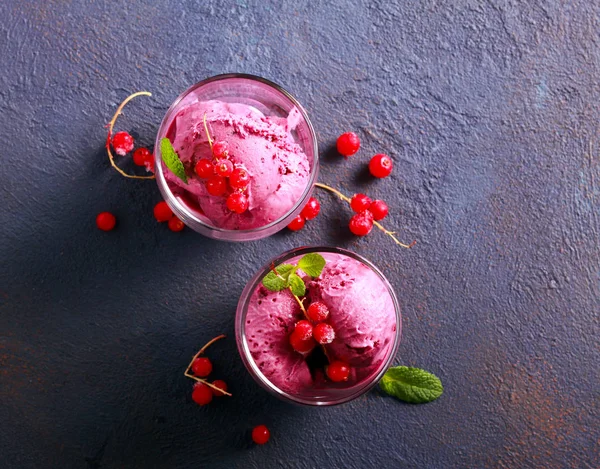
(323, 333)
(348, 143)
(299, 345)
(260, 434)
(361, 223)
(220, 150)
(297, 223)
(141, 155)
(381, 165)
(202, 367)
(202, 394)
(239, 178)
(379, 209)
(162, 212)
(216, 186)
(360, 203)
(224, 168)
(106, 221)
(122, 142)
(303, 329)
(204, 168)
(175, 224)
(317, 311)
(311, 209)
(338, 371)
(237, 202)
(219, 383)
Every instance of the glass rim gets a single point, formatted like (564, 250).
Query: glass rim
(244, 349)
(186, 214)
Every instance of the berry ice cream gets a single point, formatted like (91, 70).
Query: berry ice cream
(270, 170)
(360, 311)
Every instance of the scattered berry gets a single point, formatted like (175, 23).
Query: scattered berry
(237, 202)
(162, 212)
(220, 149)
(297, 223)
(323, 333)
(360, 203)
(303, 329)
(348, 143)
(204, 168)
(311, 209)
(379, 209)
(224, 168)
(202, 367)
(141, 156)
(216, 186)
(338, 371)
(239, 178)
(361, 224)
(317, 311)
(122, 142)
(175, 224)
(202, 394)
(219, 383)
(106, 221)
(301, 346)
(381, 165)
(260, 434)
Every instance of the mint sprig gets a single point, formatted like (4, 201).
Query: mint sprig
(412, 385)
(171, 159)
(284, 276)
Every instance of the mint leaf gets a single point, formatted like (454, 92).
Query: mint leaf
(312, 264)
(411, 384)
(171, 159)
(274, 282)
(297, 285)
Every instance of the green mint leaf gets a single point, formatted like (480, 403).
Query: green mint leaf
(171, 159)
(411, 384)
(297, 285)
(274, 282)
(312, 264)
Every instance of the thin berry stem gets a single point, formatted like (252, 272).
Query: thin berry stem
(300, 303)
(377, 224)
(210, 142)
(111, 125)
(187, 373)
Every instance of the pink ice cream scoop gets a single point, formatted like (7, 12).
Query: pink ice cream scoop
(262, 145)
(361, 311)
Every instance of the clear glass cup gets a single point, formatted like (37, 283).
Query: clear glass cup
(316, 397)
(271, 100)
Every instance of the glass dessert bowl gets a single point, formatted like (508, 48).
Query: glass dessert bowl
(363, 312)
(237, 137)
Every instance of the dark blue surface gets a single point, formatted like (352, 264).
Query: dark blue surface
(490, 111)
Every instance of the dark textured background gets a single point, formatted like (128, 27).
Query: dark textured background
(490, 111)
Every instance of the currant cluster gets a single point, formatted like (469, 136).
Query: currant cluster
(123, 143)
(200, 368)
(367, 211)
(380, 165)
(202, 394)
(310, 211)
(163, 213)
(218, 172)
(309, 332)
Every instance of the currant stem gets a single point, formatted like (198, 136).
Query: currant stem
(200, 380)
(200, 352)
(301, 304)
(210, 142)
(111, 125)
(377, 224)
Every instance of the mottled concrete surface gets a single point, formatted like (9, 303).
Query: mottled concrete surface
(490, 111)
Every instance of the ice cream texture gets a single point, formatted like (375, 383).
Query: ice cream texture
(263, 145)
(362, 313)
